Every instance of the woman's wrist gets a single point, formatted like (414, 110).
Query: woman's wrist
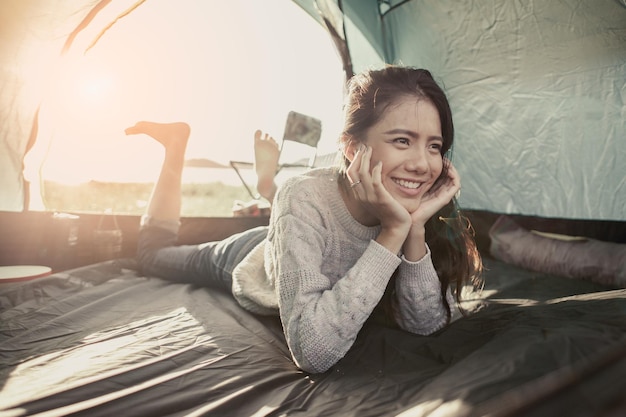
(392, 238)
(414, 247)
(417, 231)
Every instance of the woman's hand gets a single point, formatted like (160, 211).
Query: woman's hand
(438, 196)
(367, 187)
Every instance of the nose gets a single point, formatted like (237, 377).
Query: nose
(417, 161)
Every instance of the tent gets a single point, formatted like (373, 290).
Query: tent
(538, 92)
(537, 88)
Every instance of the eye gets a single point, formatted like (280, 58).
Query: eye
(437, 146)
(402, 141)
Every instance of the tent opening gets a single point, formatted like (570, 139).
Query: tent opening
(224, 70)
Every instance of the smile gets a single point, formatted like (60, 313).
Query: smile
(413, 185)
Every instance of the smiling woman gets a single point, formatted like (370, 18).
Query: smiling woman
(226, 72)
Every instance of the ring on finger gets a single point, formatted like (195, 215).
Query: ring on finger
(355, 183)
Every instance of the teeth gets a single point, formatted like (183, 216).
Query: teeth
(408, 184)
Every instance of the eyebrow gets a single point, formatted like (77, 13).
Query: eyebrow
(409, 133)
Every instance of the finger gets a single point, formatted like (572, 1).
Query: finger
(446, 189)
(454, 176)
(450, 179)
(377, 173)
(353, 169)
(364, 169)
(451, 168)
(377, 185)
(450, 190)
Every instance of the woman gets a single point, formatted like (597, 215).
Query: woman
(382, 230)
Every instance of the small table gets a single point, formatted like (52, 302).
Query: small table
(14, 273)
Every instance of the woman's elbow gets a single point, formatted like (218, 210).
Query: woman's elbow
(313, 358)
(313, 368)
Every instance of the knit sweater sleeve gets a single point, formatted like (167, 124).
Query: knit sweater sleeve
(321, 316)
(418, 305)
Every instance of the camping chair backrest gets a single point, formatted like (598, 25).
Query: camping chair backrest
(299, 146)
(305, 132)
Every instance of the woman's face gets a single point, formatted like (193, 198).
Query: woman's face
(408, 141)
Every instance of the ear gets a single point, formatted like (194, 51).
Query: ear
(351, 147)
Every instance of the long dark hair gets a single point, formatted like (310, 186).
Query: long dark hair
(448, 233)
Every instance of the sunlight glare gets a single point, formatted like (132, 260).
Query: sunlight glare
(106, 353)
(165, 62)
(96, 87)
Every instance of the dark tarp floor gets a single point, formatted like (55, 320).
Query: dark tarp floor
(102, 340)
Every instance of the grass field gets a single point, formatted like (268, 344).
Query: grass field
(199, 200)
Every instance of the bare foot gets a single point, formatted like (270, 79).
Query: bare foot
(165, 133)
(266, 154)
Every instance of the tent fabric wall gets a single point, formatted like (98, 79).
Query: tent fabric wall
(538, 92)
(364, 33)
(362, 25)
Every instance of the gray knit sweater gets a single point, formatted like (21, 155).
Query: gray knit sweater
(324, 273)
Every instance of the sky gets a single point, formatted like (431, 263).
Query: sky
(225, 70)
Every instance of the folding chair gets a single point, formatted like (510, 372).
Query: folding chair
(301, 131)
